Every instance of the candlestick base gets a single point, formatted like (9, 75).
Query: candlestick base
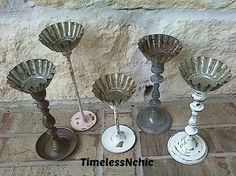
(153, 120)
(118, 144)
(179, 148)
(79, 124)
(67, 142)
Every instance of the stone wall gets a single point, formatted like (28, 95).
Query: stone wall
(112, 30)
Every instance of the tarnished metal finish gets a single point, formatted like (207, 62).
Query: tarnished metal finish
(31, 76)
(45, 147)
(159, 48)
(62, 37)
(114, 89)
(154, 120)
(204, 73)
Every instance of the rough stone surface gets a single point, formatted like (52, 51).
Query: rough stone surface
(110, 45)
(3, 3)
(64, 3)
(153, 4)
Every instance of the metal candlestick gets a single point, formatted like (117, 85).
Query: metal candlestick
(159, 49)
(64, 37)
(33, 77)
(115, 89)
(203, 74)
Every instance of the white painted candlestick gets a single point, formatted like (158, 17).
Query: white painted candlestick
(82, 120)
(187, 147)
(118, 138)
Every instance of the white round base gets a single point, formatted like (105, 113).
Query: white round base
(178, 151)
(124, 145)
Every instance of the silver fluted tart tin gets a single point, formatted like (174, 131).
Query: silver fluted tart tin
(31, 76)
(202, 74)
(205, 74)
(62, 37)
(114, 89)
(159, 49)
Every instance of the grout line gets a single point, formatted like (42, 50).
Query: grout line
(217, 126)
(138, 170)
(157, 157)
(98, 170)
(16, 135)
(226, 154)
(22, 135)
(70, 105)
(40, 163)
(210, 155)
(205, 126)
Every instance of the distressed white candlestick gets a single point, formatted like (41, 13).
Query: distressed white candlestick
(187, 147)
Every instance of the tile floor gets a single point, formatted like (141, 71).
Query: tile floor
(20, 127)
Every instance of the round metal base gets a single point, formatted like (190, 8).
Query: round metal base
(179, 152)
(67, 143)
(79, 124)
(125, 144)
(153, 120)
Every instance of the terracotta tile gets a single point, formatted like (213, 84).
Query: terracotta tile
(226, 138)
(111, 170)
(208, 135)
(169, 167)
(211, 115)
(124, 118)
(19, 150)
(66, 170)
(86, 147)
(6, 122)
(23, 148)
(3, 141)
(218, 140)
(154, 145)
(119, 171)
(128, 154)
(232, 164)
(31, 122)
(26, 122)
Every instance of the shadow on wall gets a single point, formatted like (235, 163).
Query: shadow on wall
(148, 92)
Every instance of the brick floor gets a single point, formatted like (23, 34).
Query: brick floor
(20, 129)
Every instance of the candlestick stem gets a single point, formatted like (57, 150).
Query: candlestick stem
(48, 119)
(156, 79)
(67, 55)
